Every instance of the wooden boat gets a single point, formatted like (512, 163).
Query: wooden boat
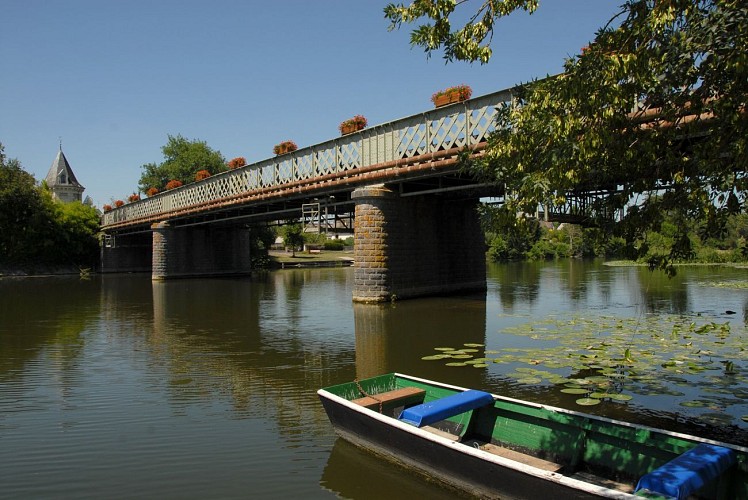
(495, 446)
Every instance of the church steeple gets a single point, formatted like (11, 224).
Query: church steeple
(61, 180)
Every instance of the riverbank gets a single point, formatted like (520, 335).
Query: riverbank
(322, 258)
(42, 271)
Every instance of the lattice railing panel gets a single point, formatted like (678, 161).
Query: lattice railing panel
(305, 167)
(413, 139)
(349, 156)
(326, 161)
(448, 132)
(285, 171)
(456, 125)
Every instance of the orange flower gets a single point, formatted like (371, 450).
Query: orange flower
(237, 162)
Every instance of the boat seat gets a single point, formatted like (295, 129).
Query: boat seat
(443, 408)
(688, 472)
(392, 399)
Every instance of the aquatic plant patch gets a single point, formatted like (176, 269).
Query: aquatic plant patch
(701, 363)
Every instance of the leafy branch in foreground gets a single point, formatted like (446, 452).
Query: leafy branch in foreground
(471, 42)
(649, 121)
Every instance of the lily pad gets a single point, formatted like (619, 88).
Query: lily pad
(573, 390)
(620, 397)
(530, 380)
(588, 401)
(694, 404)
(455, 363)
(434, 357)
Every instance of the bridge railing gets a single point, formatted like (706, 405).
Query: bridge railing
(456, 125)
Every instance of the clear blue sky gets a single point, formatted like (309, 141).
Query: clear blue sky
(114, 78)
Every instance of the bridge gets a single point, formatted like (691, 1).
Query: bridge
(415, 226)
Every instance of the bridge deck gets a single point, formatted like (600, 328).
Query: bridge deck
(420, 145)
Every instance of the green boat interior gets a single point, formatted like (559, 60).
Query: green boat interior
(597, 451)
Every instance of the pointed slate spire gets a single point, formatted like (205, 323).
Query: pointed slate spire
(62, 181)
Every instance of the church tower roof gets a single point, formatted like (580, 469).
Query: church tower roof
(61, 174)
(61, 180)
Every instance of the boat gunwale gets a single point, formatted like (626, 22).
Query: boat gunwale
(555, 409)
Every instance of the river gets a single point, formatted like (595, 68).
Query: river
(117, 387)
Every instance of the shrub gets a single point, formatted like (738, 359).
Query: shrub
(335, 245)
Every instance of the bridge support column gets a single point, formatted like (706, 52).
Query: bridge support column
(180, 252)
(415, 246)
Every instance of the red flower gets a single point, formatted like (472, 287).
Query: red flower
(237, 162)
(285, 147)
(107, 208)
(133, 197)
(356, 123)
(201, 174)
(119, 203)
(464, 91)
(151, 191)
(173, 184)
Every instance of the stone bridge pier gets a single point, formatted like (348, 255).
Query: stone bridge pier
(208, 250)
(415, 246)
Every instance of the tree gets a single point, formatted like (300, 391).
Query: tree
(651, 116)
(182, 159)
(37, 230)
(293, 236)
(20, 207)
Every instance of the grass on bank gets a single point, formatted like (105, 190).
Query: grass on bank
(283, 257)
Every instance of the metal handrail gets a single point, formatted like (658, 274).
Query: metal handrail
(462, 124)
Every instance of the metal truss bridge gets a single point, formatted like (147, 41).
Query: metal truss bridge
(417, 154)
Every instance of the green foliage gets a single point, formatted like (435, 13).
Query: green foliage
(651, 116)
(471, 42)
(37, 230)
(22, 211)
(182, 159)
(335, 245)
(315, 238)
(517, 238)
(293, 236)
(261, 239)
(78, 225)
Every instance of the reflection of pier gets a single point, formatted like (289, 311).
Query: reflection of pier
(395, 337)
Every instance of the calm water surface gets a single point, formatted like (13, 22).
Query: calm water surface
(118, 387)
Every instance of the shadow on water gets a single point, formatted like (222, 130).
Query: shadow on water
(351, 472)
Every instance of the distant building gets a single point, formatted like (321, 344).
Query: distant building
(62, 182)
